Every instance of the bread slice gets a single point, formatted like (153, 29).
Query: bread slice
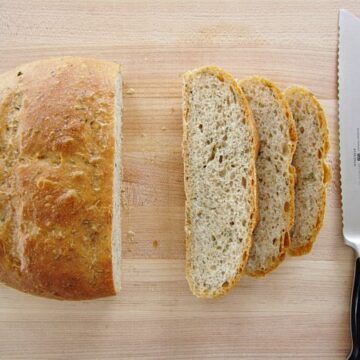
(312, 171)
(219, 148)
(275, 174)
(60, 178)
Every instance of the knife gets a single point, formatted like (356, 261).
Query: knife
(349, 125)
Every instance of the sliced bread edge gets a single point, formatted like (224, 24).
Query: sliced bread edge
(327, 173)
(223, 76)
(285, 240)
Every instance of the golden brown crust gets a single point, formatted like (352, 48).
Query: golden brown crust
(306, 248)
(285, 240)
(223, 76)
(56, 130)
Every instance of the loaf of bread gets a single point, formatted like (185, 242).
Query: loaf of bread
(312, 171)
(219, 148)
(60, 178)
(275, 174)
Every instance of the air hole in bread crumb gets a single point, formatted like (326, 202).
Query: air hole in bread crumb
(220, 159)
(225, 137)
(212, 155)
(285, 149)
(222, 173)
(232, 223)
(213, 267)
(240, 240)
(319, 154)
(286, 206)
(274, 241)
(243, 182)
(213, 238)
(233, 94)
(243, 223)
(201, 127)
(302, 129)
(281, 127)
(243, 121)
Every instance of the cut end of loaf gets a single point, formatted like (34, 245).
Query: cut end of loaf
(116, 201)
(219, 157)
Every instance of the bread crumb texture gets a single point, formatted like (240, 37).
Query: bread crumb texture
(312, 171)
(130, 91)
(56, 156)
(219, 157)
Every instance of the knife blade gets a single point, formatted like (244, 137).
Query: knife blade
(349, 129)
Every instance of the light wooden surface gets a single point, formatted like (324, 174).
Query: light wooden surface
(302, 309)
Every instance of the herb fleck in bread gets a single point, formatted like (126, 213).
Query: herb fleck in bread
(275, 174)
(60, 178)
(312, 171)
(219, 147)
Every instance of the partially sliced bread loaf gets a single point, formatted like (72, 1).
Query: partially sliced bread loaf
(312, 171)
(274, 173)
(219, 148)
(60, 178)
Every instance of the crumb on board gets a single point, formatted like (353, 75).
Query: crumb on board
(130, 236)
(155, 243)
(130, 91)
(164, 128)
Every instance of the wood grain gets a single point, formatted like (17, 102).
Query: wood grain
(302, 309)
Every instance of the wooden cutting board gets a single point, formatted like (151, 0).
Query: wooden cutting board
(302, 309)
